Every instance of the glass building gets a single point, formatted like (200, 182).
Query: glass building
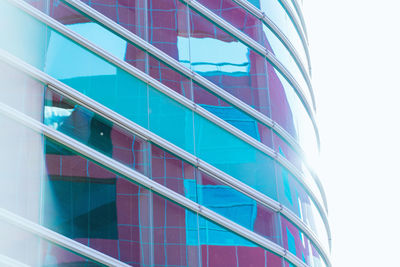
(158, 133)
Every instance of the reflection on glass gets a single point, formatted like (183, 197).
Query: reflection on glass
(284, 56)
(293, 196)
(289, 112)
(299, 245)
(279, 16)
(220, 248)
(167, 21)
(237, 207)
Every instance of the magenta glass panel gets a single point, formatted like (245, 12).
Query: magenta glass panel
(172, 247)
(169, 77)
(128, 13)
(172, 172)
(238, 17)
(168, 27)
(221, 248)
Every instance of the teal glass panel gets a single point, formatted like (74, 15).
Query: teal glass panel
(78, 122)
(234, 156)
(171, 120)
(81, 69)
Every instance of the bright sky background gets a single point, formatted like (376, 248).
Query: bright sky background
(355, 46)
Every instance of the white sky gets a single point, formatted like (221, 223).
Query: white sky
(355, 54)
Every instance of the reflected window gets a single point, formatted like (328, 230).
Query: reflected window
(211, 56)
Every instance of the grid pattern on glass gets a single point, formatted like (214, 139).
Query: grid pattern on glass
(226, 166)
(171, 78)
(166, 169)
(182, 45)
(83, 203)
(253, 27)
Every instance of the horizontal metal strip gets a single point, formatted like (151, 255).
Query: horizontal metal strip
(259, 49)
(262, 15)
(172, 94)
(270, 24)
(58, 239)
(9, 262)
(134, 39)
(124, 33)
(149, 136)
(146, 182)
(299, 11)
(296, 22)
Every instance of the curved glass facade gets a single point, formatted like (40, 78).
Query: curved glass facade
(131, 153)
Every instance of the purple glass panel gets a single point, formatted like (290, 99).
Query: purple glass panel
(171, 245)
(237, 16)
(128, 13)
(167, 22)
(172, 172)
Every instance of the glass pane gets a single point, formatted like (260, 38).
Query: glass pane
(173, 173)
(235, 157)
(297, 243)
(237, 16)
(275, 11)
(130, 14)
(94, 131)
(285, 57)
(244, 76)
(221, 248)
(294, 197)
(289, 112)
(23, 247)
(287, 152)
(244, 21)
(171, 120)
(168, 28)
(237, 207)
(175, 241)
(232, 115)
